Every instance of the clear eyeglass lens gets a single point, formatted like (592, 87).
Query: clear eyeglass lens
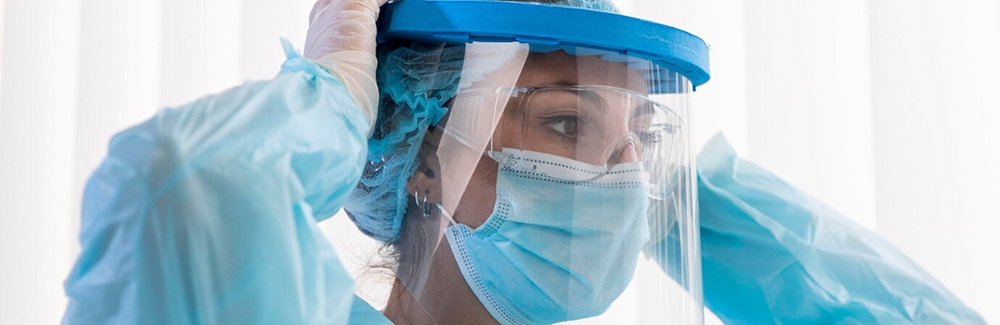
(597, 125)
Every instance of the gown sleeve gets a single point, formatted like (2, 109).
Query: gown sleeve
(771, 254)
(207, 213)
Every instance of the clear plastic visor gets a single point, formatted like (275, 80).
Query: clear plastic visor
(558, 187)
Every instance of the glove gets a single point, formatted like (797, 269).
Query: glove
(341, 38)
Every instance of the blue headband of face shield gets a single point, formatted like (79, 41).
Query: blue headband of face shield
(417, 79)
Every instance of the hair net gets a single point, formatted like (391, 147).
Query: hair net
(415, 82)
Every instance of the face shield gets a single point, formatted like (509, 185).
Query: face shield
(558, 182)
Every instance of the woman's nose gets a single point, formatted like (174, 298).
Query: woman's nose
(626, 153)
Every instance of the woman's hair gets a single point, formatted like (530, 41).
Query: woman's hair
(418, 234)
(406, 258)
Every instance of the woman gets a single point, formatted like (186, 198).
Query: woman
(207, 213)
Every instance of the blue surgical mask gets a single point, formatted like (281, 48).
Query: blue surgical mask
(554, 249)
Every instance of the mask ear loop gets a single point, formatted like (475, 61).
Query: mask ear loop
(426, 208)
(445, 214)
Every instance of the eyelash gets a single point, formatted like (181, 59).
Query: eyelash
(650, 137)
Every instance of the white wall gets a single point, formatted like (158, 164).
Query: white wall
(3, 6)
(809, 99)
(937, 158)
(37, 120)
(200, 49)
(119, 80)
(262, 24)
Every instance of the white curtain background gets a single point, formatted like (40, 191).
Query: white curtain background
(888, 110)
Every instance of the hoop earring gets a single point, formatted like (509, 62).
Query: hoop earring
(424, 207)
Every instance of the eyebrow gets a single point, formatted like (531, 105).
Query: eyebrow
(644, 108)
(590, 96)
(594, 98)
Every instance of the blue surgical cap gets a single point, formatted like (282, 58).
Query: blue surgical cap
(415, 82)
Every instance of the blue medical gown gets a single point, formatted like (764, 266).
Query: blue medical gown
(207, 213)
(772, 254)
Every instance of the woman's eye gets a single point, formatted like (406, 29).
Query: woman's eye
(655, 134)
(564, 125)
(650, 137)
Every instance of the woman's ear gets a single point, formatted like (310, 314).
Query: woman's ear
(425, 183)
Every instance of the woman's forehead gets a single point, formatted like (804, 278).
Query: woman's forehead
(560, 68)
